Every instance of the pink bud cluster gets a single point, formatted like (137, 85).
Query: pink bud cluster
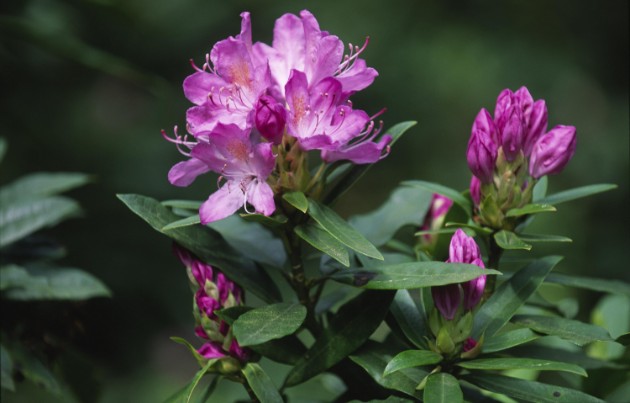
(248, 96)
(519, 126)
(448, 298)
(214, 292)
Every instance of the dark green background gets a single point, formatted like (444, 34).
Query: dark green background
(88, 85)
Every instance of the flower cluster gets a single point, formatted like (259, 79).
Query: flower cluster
(253, 102)
(213, 292)
(448, 298)
(509, 152)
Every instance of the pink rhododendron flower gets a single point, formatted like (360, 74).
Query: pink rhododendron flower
(482, 149)
(245, 167)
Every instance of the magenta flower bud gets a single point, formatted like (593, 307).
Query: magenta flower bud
(446, 299)
(435, 216)
(469, 344)
(211, 350)
(206, 304)
(473, 289)
(475, 190)
(552, 151)
(270, 118)
(463, 248)
(512, 132)
(536, 126)
(482, 150)
(239, 352)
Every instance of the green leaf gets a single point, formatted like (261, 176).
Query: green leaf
(405, 206)
(590, 283)
(6, 366)
(412, 275)
(39, 185)
(442, 388)
(187, 395)
(373, 358)
(452, 194)
(530, 391)
(24, 218)
(297, 200)
(349, 328)
(501, 364)
(540, 189)
(509, 240)
(576, 193)
(269, 322)
(568, 329)
(322, 240)
(410, 359)
(180, 395)
(34, 370)
(271, 222)
(355, 172)
(534, 208)
(261, 384)
(511, 295)
(410, 318)
(341, 230)
(207, 244)
(184, 222)
(252, 240)
(543, 238)
(49, 283)
(508, 339)
(534, 350)
(183, 204)
(200, 359)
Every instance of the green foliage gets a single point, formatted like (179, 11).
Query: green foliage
(442, 388)
(410, 359)
(261, 384)
(572, 330)
(269, 322)
(521, 363)
(322, 240)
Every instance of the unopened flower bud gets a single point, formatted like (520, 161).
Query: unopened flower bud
(435, 217)
(473, 289)
(512, 132)
(482, 150)
(211, 350)
(463, 248)
(270, 118)
(552, 151)
(475, 190)
(536, 126)
(446, 299)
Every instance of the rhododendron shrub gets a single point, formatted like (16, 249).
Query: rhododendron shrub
(432, 313)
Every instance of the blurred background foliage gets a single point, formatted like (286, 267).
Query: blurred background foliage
(87, 85)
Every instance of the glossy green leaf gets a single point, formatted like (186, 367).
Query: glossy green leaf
(297, 200)
(252, 240)
(410, 359)
(6, 369)
(39, 185)
(268, 323)
(534, 350)
(411, 275)
(314, 235)
(410, 317)
(22, 219)
(576, 193)
(183, 204)
(349, 328)
(511, 295)
(532, 238)
(341, 230)
(442, 388)
(373, 358)
(534, 208)
(405, 206)
(590, 283)
(207, 244)
(190, 389)
(355, 172)
(508, 339)
(184, 222)
(509, 240)
(530, 391)
(49, 283)
(261, 384)
(501, 364)
(574, 331)
(452, 194)
(540, 189)
(286, 350)
(271, 222)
